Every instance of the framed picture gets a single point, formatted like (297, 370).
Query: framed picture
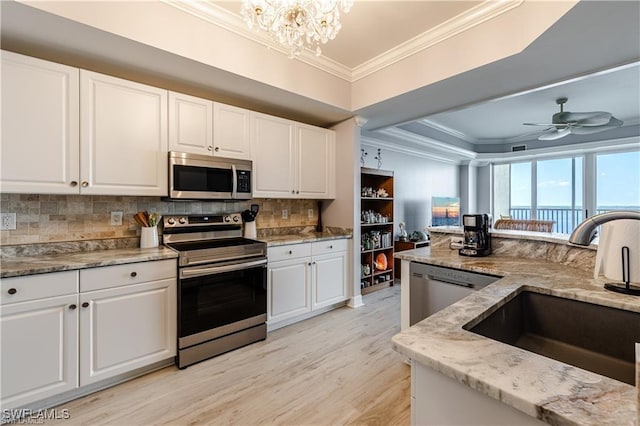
(445, 211)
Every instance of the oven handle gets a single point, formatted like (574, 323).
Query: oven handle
(198, 272)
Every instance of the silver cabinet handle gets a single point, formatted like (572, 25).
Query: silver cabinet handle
(209, 147)
(85, 183)
(73, 183)
(217, 149)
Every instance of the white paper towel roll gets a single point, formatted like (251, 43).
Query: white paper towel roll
(613, 236)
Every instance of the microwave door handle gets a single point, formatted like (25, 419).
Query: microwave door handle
(234, 180)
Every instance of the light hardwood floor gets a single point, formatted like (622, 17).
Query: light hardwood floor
(334, 369)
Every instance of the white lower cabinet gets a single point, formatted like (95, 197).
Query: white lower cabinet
(39, 349)
(305, 278)
(38, 336)
(63, 330)
(125, 328)
(289, 293)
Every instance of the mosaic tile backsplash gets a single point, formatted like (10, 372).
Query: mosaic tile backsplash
(59, 218)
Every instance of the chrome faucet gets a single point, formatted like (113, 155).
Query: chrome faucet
(584, 233)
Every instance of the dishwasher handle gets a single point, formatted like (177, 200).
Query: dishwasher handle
(444, 280)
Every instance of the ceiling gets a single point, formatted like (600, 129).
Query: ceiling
(374, 28)
(590, 56)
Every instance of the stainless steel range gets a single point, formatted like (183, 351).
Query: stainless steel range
(222, 285)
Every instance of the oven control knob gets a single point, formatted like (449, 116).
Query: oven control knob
(235, 218)
(227, 219)
(171, 221)
(182, 220)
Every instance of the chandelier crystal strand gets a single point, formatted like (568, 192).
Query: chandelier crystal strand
(296, 24)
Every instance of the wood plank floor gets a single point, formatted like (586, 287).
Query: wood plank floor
(334, 369)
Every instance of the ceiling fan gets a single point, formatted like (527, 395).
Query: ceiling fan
(579, 123)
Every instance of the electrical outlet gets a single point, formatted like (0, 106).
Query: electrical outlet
(285, 214)
(8, 221)
(310, 213)
(456, 242)
(116, 218)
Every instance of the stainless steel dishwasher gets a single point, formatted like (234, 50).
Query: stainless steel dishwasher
(433, 288)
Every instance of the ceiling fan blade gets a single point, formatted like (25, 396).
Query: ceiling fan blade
(594, 118)
(555, 135)
(547, 124)
(586, 130)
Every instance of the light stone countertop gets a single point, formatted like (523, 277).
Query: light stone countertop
(302, 237)
(549, 390)
(39, 264)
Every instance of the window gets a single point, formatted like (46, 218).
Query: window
(559, 192)
(618, 181)
(564, 189)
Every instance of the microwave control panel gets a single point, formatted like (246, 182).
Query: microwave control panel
(244, 181)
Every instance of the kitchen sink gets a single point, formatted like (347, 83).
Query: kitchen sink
(597, 338)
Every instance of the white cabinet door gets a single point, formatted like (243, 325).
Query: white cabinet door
(329, 279)
(289, 290)
(273, 152)
(231, 132)
(125, 328)
(123, 137)
(315, 162)
(40, 132)
(39, 349)
(190, 124)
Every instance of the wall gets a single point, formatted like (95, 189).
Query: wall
(416, 180)
(58, 218)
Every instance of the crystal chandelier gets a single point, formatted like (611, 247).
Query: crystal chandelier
(296, 24)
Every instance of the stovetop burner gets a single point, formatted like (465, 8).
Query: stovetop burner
(206, 238)
(209, 244)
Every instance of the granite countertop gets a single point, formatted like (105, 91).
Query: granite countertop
(549, 390)
(302, 237)
(28, 265)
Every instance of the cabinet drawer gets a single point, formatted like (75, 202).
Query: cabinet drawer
(32, 287)
(130, 273)
(330, 246)
(291, 251)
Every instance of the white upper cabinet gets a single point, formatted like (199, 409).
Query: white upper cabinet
(40, 121)
(123, 136)
(292, 160)
(316, 162)
(273, 151)
(201, 126)
(190, 124)
(231, 131)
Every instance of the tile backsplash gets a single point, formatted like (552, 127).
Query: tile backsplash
(58, 218)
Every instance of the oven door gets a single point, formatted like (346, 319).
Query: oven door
(214, 301)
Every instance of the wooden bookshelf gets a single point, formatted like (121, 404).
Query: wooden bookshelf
(379, 224)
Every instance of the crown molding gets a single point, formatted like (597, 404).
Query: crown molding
(212, 13)
(485, 11)
(555, 151)
(390, 146)
(447, 130)
(431, 145)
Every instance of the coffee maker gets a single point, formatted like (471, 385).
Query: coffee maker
(477, 240)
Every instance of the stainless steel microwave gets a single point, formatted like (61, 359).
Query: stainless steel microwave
(203, 177)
